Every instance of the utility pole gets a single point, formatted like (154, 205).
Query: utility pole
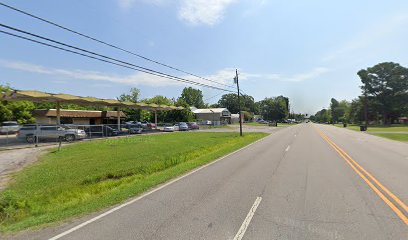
(239, 102)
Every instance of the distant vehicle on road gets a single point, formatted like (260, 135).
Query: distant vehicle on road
(9, 127)
(31, 132)
(193, 125)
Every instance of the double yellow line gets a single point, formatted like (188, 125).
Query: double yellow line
(386, 195)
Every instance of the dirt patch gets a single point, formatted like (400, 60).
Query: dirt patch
(12, 161)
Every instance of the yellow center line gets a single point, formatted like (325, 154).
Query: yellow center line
(396, 199)
(350, 161)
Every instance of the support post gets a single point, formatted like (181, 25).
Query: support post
(239, 102)
(118, 115)
(58, 113)
(155, 118)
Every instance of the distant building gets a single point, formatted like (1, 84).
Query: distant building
(234, 118)
(403, 120)
(215, 115)
(78, 117)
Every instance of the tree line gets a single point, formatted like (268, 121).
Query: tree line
(272, 109)
(384, 98)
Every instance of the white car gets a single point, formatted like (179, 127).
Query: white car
(9, 127)
(170, 128)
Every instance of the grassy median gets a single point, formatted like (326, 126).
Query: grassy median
(89, 176)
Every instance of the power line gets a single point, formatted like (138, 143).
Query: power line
(155, 73)
(93, 53)
(107, 44)
(205, 100)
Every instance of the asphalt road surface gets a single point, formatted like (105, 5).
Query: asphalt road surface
(302, 182)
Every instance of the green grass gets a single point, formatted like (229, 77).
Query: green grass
(394, 136)
(377, 128)
(89, 176)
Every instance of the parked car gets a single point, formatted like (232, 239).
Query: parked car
(193, 125)
(101, 130)
(9, 127)
(148, 125)
(183, 126)
(134, 128)
(31, 132)
(207, 122)
(170, 128)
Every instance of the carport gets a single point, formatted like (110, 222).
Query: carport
(58, 99)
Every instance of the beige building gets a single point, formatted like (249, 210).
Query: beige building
(78, 117)
(215, 115)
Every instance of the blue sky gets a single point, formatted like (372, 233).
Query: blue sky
(309, 51)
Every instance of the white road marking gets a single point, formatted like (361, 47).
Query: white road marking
(287, 149)
(148, 193)
(245, 224)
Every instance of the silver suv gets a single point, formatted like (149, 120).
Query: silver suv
(9, 127)
(31, 132)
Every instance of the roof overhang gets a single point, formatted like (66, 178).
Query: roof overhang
(39, 97)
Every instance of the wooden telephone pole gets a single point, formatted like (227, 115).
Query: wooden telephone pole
(239, 102)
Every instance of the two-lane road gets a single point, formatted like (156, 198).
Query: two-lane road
(294, 184)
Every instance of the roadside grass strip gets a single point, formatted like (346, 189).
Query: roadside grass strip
(394, 136)
(377, 128)
(396, 205)
(89, 176)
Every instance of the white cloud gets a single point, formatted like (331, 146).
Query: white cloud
(138, 78)
(207, 12)
(224, 76)
(194, 12)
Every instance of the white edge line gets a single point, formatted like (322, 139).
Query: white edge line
(150, 192)
(245, 224)
(287, 149)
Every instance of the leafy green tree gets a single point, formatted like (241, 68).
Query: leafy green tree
(132, 96)
(335, 110)
(344, 111)
(19, 111)
(274, 109)
(230, 101)
(193, 97)
(386, 84)
(161, 115)
(323, 116)
(185, 115)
